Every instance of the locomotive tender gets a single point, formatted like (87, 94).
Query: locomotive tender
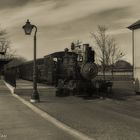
(71, 72)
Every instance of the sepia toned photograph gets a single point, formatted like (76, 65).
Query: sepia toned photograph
(69, 70)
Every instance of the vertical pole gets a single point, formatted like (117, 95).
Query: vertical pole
(35, 95)
(34, 73)
(104, 63)
(133, 53)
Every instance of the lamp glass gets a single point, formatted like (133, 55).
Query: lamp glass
(28, 28)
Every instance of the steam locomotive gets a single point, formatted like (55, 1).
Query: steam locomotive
(78, 69)
(72, 72)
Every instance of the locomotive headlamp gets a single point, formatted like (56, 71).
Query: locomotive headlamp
(28, 27)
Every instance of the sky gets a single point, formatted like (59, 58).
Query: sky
(61, 22)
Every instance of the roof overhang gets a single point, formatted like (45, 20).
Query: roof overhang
(134, 26)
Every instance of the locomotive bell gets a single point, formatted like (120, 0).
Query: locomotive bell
(89, 71)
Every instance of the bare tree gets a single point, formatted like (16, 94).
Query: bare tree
(5, 48)
(107, 49)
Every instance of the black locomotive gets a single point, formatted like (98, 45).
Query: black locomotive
(78, 69)
(71, 72)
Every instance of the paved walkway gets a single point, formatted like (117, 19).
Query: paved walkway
(109, 119)
(18, 122)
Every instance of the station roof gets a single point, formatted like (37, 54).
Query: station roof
(134, 26)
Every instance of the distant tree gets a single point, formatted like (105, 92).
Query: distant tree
(5, 48)
(122, 64)
(113, 52)
(107, 49)
(16, 61)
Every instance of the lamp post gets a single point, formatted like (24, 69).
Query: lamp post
(28, 29)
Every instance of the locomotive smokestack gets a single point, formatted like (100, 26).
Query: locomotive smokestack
(85, 46)
(88, 53)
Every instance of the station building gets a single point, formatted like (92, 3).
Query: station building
(135, 28)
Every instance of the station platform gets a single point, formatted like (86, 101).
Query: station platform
(19, 122)
(100, 119)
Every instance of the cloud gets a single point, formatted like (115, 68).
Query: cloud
(61, 21)
(12, 3)
(16, 3)
(57, 12)
(76, 10)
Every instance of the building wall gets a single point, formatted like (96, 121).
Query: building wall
(137, 56)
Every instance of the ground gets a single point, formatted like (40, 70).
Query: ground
(115, 118)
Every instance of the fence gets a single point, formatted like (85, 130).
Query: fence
(10, 77)
(116, 76)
